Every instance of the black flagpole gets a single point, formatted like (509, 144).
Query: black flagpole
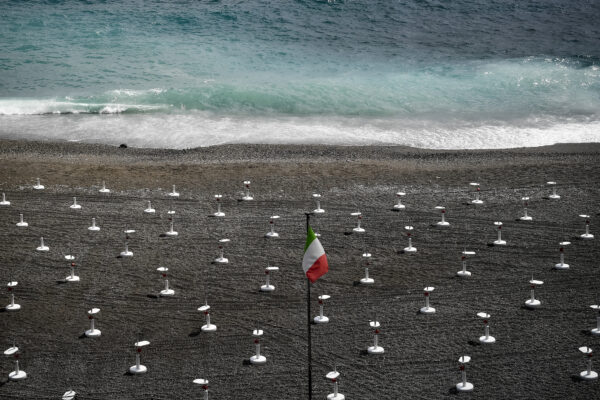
(308, 325)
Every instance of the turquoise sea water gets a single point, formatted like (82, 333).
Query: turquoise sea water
(439, 74)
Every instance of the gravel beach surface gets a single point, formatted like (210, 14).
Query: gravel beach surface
(535, 354)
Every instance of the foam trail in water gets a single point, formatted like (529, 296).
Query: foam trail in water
(67, 106)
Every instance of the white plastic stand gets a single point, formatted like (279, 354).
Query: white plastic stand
(149, 209)
(553, 196)
(317, 198)
(464, 273)
(22, 223)
(207, 327)
(126, 252)
(533, 303)
(427, 309)
(171, 232)
(75, 206)
(358, 228)
(332, 376)
(596, 330)
(486, 338)
(525, 216)
(375, 349)
(267, 287)
(139, 368)
(272, 234)
(477, 200)
(561, 265)
(367, 280)
(38, 185)
(587, 235)
(588, 374)
(94, 227)
(499, 241)
(17, 374)
(170, 211)
(12, 306)
(399, 205)
(42, 247)
(204, 384)
(166, 291)
(410, 248)
(443, 222)
(72, 277)
(69, 257)
(219, 213)
(221, 259)
(247, 196)
(93, 332)
(321, 319)
(174, 193)
(104, 189)
(257, 359)
(464, 386)
(4, 202)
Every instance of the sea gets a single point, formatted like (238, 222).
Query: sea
(442, 74)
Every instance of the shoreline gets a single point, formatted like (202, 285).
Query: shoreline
(70, 147)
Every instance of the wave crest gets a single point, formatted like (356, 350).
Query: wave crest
(501, 89)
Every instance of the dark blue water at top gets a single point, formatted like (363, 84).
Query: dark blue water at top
(477, 60)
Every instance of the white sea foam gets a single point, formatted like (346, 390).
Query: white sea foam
(113, 109)
(134, 93)
(52, 106)
(196, 129)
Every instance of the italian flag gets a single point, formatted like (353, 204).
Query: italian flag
(314, 263)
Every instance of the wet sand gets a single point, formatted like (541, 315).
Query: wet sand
(535, 355)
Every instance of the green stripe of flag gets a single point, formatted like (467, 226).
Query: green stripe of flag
(309, 238)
